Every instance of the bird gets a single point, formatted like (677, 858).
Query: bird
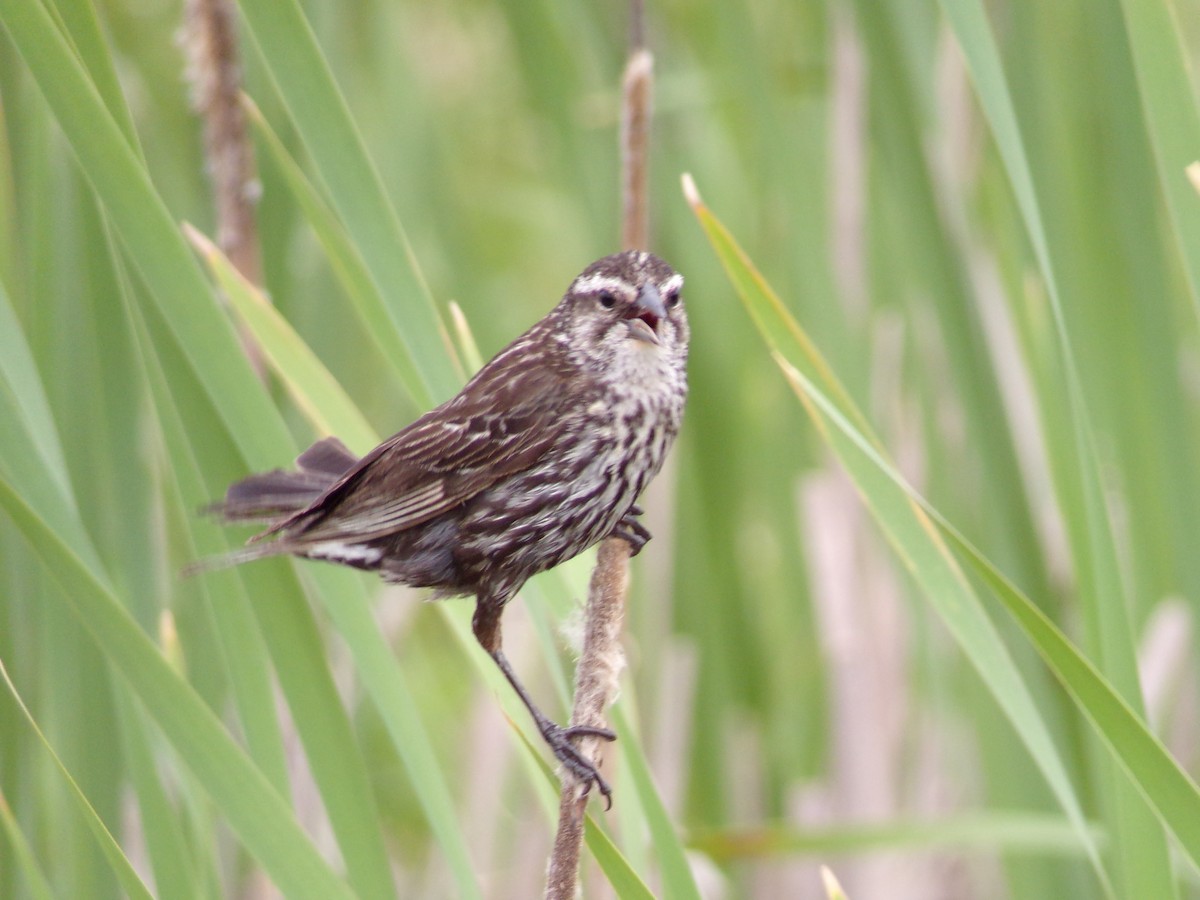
(541, 455)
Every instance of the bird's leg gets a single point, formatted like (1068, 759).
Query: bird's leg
(631, 530)
(486, 626)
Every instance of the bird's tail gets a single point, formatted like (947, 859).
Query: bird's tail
(233, 558)
(274, 496)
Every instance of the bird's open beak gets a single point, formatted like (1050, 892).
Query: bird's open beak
(646, 314)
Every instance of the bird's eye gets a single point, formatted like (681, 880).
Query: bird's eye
(673, 300)
(607, 300)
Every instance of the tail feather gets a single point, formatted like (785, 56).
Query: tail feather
(234, 558)
(327, 457)
(268, 496)
(272, 495)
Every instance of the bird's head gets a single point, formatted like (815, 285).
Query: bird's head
(625, 313)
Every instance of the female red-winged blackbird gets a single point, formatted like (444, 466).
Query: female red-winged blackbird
(543, 454)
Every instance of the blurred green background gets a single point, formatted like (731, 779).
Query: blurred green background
(980, 217)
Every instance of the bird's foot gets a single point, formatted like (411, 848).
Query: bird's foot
(560, 741)
(632, 531)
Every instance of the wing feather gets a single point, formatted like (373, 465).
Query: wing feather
(502, 423)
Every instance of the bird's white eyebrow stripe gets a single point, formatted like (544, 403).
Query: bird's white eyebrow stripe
(672, 284)
(595, 283)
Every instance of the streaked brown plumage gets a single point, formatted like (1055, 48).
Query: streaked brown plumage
(541, 455)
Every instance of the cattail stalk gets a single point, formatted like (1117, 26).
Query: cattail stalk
(603, 658)
(214, 71)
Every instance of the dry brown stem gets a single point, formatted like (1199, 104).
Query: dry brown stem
(603, 657)
(595, 686)
(214, 71)
(636, 109)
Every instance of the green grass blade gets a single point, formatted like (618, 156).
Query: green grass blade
(900, 144)
(1155, 774)
(22, 853)
(677, 876)
(1138, 846)
(86, 36)
(176, 284)
(388, 688)
(255, 811)
(175, 873)
(1159, 778)
(244, 654)
(122, 868)
(25, 392)
(346, 260)
(144, 225)
(1018, 832)
(1172, 120)
(620, 874)
(318, 110)
(314, 390)
(320, 397)
(908, 530)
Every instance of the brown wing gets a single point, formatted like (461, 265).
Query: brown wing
(501, 424)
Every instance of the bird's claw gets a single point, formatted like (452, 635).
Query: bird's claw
(606, 734)
(632, 531)
(582, 768)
